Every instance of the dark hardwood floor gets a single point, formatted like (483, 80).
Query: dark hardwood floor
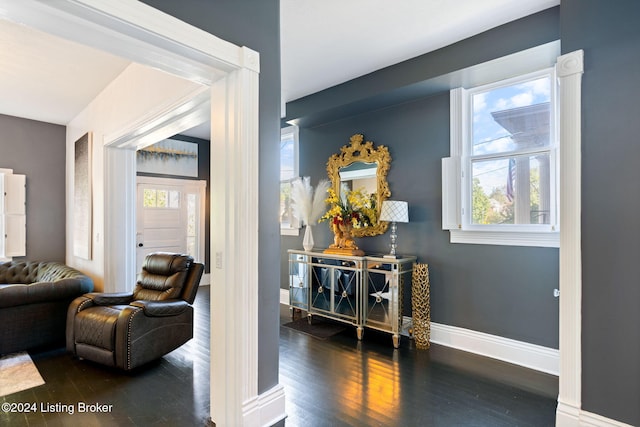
(173, 391)
(339, 381)
(345, 382)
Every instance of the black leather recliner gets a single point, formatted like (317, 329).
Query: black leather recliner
(126, 330)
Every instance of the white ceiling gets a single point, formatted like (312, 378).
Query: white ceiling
(323, 43)
(48, 78)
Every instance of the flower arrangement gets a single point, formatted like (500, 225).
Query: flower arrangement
(355, 208)
(307, 206)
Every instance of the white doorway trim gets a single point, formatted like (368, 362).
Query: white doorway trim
(147, 36)
(569, 69)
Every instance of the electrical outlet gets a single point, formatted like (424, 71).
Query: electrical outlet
(219, 260)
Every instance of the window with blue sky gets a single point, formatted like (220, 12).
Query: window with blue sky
(288, 172)
(509, 151)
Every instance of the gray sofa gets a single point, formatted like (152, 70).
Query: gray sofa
(34, 297)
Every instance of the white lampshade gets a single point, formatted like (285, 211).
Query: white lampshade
(394, 211)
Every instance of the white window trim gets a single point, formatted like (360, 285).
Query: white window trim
(455, 191)
(292, 131)
(13, 218)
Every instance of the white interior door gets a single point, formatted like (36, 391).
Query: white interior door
(169, 217)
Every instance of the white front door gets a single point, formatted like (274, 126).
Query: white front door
(169, 217)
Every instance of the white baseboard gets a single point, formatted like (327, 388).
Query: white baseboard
(265, 409)
(569, 416)
(284, 296)
(531, 356)
(595, 420)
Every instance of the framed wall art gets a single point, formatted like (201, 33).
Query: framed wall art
(82, 197)
(169, 157)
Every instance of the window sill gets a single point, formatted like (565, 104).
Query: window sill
(510, 238)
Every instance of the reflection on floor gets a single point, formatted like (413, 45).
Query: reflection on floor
(345, 382)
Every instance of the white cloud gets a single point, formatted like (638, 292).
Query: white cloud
(518, 100)
(501, 104)
(479, 102)
(521, 100)
(500, 144)
(538, 87)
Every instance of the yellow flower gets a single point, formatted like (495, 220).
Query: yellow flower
(357, 208)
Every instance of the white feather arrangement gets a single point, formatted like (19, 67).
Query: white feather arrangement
(307, 206)
(319, 204)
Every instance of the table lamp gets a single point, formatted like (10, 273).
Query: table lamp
(394, 211)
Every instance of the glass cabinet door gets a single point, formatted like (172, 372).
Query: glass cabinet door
(334, 288)
(382, 294)
(298, 281)
(381, 298)
(345, 292)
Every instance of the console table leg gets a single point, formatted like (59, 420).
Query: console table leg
(360, 332)
(396, 341)
(309, 318)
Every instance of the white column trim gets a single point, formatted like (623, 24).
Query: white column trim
(119, 220)
(458, 112)
(569, 70)
(234, 252)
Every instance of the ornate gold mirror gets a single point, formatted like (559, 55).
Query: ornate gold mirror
(363, 168)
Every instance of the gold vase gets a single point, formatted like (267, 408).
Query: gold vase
(421, 305)
(343, 243)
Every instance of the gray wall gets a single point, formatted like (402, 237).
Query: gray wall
(505, 291)
(609, 34)
(37, 150)
(500, 290)
(255, 24)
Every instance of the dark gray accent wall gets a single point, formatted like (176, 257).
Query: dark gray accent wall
(504, 291)
(609, 34)
(255, 24)
(204, 174)
(38, 150)
(500, 290)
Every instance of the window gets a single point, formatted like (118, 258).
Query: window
(192, 224)
(12, 215)
(288, 172)
(158, 198)
(500, 183)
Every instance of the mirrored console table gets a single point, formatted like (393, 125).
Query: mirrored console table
(363, 291)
